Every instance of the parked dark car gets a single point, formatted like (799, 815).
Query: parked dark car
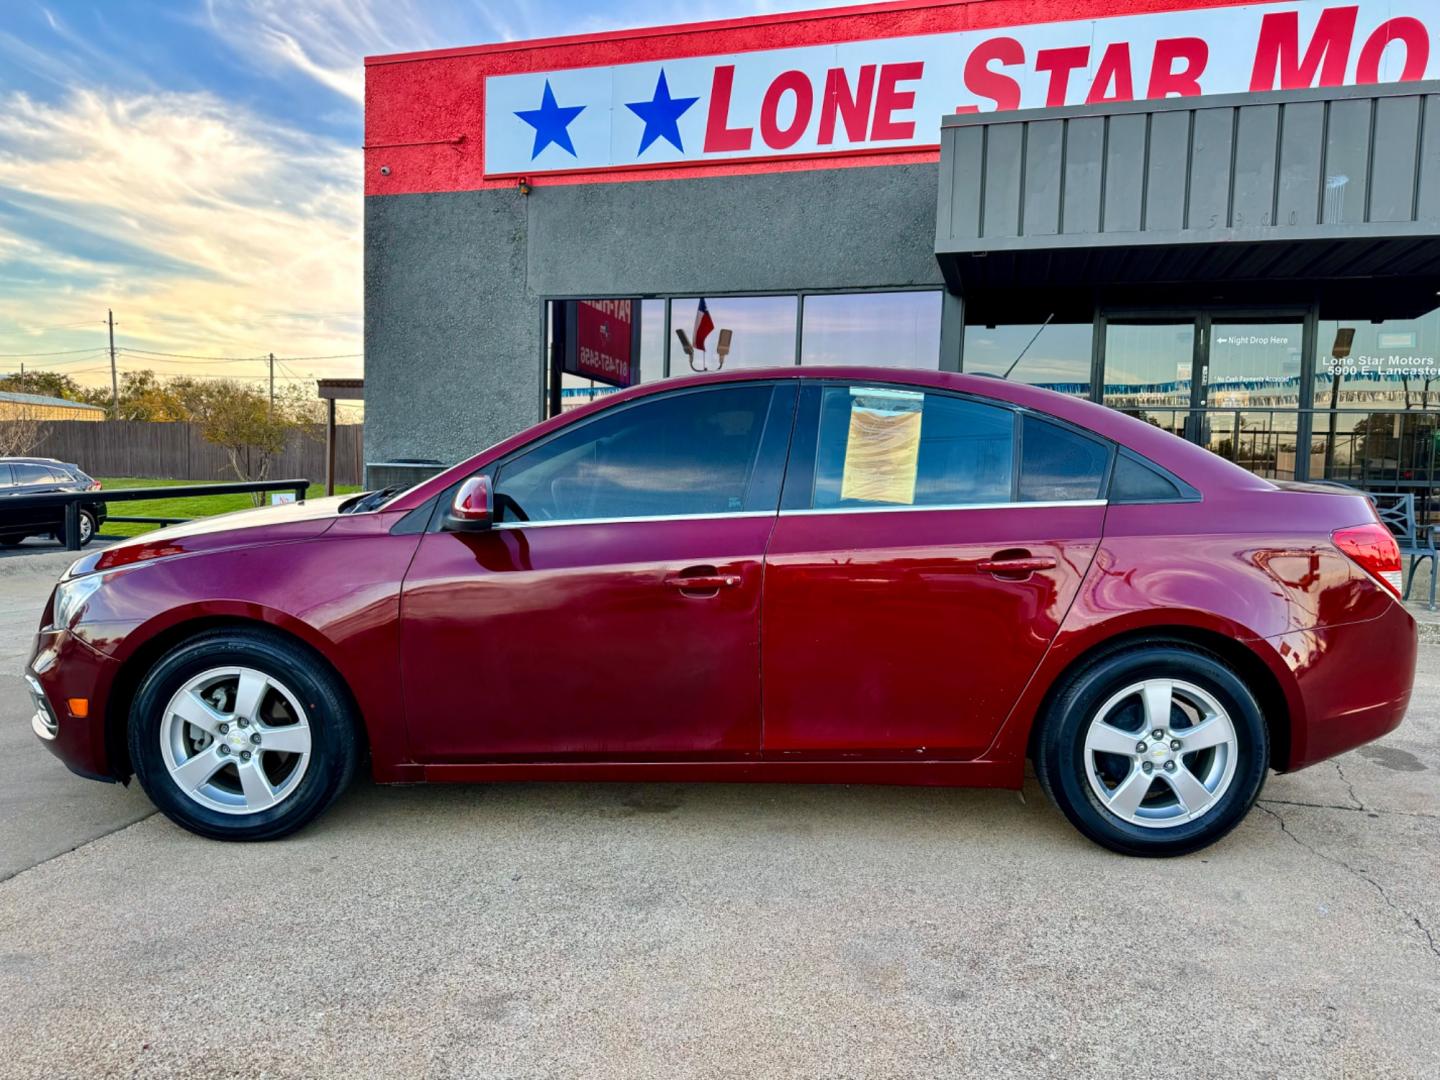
(833, 575)
(44, 476)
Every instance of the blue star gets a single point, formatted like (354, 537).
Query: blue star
(661, 115)
(551, 123)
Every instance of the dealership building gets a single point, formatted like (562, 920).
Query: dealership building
(1221, 216)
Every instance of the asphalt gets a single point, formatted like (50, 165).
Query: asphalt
(715, 930)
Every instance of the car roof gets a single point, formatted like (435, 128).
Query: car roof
(1194, 464)
(32, 461)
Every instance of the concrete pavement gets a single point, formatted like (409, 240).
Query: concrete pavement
(718, 930)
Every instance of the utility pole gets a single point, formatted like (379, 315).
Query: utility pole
(272, 384)
(114, 378)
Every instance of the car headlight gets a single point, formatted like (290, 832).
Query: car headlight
(70, 597)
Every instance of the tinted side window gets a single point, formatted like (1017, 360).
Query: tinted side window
(690, 453)
(6, 479)
(31, 474)
(1058, 464)
(879, 446)
(1136, 482)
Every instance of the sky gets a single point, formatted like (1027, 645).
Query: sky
(194, 166)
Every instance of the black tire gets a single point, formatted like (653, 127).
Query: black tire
(334, 750)
(1060, 759)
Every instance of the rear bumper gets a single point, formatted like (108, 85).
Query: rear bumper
(63, 669)
(1354, 682)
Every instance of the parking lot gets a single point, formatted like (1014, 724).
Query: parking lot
(716, 931)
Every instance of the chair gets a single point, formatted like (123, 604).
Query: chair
(1397, 511)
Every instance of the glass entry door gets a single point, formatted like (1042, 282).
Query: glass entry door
(1150, 366)
(1229, 381)
(1251, 392)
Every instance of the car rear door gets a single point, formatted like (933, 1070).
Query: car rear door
(928, 546)
(613, 612)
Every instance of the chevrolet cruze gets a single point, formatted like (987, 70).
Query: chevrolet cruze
(832, 575)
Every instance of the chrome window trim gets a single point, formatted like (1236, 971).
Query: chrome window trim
(947, 507)
(1050, 505)
(629, 520)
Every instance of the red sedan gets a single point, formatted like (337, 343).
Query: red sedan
(802, 575)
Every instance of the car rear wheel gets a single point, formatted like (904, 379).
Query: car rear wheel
(1155, 749)
(238, 735)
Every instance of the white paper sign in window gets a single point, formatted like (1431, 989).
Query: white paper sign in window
(882, 451)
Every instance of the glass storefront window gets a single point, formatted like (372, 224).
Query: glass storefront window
(762, 333)
(652, 340)
(1058, 359)
(1394, 364)
(1377, 401)
(878, 329)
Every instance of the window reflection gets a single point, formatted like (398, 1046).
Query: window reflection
(762, 333)
(1364, 370)
(883, 329)
(1148, 370)
(1057, 359)
(576, 389)
(1391, 364)
(688, 453)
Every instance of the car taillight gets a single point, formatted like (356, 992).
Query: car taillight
(94, 485)
(1373, 546)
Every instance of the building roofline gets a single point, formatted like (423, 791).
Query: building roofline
(1031, 13)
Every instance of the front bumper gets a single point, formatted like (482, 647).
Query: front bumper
(64, 669)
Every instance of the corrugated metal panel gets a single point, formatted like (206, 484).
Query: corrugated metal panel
(1338, 164)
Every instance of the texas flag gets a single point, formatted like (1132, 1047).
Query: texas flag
(703, 325)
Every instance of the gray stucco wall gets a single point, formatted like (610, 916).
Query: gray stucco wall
(454, 283)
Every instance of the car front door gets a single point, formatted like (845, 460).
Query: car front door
(32, 479)
(613, 611)
(927, 549)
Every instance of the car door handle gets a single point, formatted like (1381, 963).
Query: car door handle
(1015, 566)
(703, 583)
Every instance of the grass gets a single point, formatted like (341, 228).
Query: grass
(191, 507)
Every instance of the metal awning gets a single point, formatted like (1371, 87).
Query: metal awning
(1327, 194)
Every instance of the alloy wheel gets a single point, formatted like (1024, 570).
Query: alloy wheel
(235, 740)
(1160, 753)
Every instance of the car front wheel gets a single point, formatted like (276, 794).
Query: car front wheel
(238, 735)
(1156, 749)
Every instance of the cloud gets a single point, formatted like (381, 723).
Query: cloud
(206, 228)
(327, 40)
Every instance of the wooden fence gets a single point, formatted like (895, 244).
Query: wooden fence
(179, 452)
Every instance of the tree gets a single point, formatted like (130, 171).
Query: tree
(143, 396)
(52, 384)
(21, 431)
(240, 418)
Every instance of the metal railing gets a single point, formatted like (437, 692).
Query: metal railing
(1374, 449)
(73, 500)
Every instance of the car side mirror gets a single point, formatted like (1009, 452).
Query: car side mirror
(472, 509)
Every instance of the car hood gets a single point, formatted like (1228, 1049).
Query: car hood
(261, 525)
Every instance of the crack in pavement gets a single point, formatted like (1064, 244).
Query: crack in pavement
(1384, 895)
(70, 851)
(1348, 785)
(1370, 810)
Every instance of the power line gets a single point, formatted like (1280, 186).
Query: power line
(143, 354)
(59, 352)
(231, 359)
